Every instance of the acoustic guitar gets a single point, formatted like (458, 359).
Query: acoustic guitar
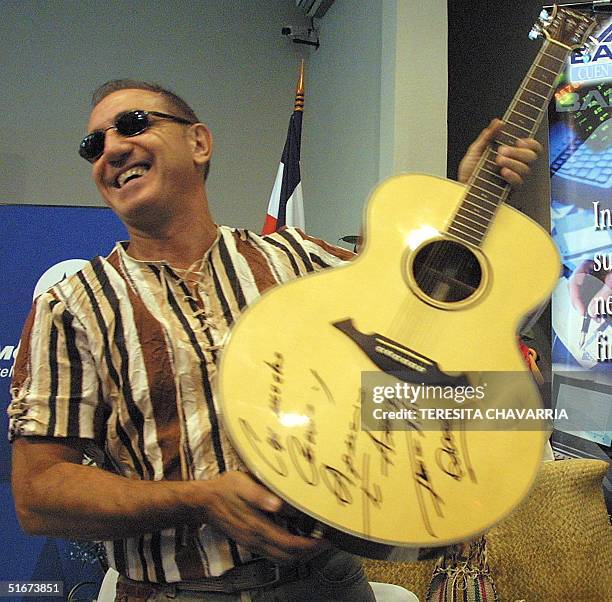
(432, 303)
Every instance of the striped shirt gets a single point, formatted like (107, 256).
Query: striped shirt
(125, 353)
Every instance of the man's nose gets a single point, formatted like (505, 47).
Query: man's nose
(116, 146)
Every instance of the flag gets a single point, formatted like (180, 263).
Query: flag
(286, 206)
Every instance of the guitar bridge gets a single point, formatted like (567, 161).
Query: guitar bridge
(396, 359)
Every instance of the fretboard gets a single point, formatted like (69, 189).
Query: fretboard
(486, 189)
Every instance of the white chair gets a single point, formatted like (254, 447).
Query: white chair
(386, 592)
(109, 586)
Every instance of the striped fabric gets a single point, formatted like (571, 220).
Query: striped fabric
(125, 352)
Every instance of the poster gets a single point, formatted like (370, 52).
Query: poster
(42, 245)
(580, 146)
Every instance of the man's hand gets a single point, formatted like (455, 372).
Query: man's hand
(236, 505)
(514, 161)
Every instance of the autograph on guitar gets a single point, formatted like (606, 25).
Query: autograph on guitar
(438, 293)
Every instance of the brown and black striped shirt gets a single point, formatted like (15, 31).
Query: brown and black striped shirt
(124, 353)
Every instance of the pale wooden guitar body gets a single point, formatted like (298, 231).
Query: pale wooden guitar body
(290, 380)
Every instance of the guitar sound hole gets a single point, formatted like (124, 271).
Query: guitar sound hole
(447, 271)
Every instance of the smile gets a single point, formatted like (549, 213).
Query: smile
(130, 174)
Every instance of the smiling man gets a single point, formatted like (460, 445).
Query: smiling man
(119, 362)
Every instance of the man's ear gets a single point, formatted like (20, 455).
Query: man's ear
(201, 142)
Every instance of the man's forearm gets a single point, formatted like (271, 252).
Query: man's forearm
(84, 502)
(56, 495)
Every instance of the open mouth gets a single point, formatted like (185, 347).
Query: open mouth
(137, 171)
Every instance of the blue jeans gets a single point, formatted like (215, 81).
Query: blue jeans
(334, 576)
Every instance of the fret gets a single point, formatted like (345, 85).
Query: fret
(465, 209)
(477, 218)
(514, 129)
(515, 113)
(562, 61)
(518, 125)
(469, 219)
(547, 84)
(552, 71)
(493, 187)
(475, 238)
(535, 100)
(533, 92)
(480, 202)
(467, 231)
(485, 204)
(551, 74)
(457, 223)
(495, 196)
(480, 207)
(493, 174)
(528, 104)
(484, 199)
(538, 87)
(550, 65)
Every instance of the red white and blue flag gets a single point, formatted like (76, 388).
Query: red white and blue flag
(286, 206)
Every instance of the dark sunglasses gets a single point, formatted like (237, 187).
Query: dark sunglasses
(130, 123)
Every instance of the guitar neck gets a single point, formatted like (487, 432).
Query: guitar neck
(486, 189)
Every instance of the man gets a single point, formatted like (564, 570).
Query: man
(122, 358)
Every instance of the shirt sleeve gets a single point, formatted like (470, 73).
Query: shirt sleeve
(321, 253)
(55, 389)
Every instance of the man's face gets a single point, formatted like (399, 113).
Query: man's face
(140, 176)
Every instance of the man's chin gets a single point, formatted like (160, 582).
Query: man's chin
(146, 217)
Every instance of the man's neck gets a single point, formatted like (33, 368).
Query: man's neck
(181, 241)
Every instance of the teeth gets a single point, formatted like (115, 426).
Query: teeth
(136, 171)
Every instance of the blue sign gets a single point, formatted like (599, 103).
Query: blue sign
(42, 245)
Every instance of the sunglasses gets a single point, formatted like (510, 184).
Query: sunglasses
(130, 123)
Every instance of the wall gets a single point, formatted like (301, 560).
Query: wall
(228, 59)
(374, 106)
(414, 87)
(342, 119)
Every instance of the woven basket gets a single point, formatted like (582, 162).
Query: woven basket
(555, 547)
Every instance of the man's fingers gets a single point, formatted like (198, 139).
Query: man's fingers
(256, 495)
(280, 545)
(486, 136)
(258, 533)
(515, 161)
(475, 150)
(239, 507)
(519, 156)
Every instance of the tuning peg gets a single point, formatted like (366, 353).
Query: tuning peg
(591, 44)
(587, 50)
(536, 32)
(544, 17)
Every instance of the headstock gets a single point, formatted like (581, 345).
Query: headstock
(564, 26)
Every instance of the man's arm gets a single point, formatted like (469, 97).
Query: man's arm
(56, 495)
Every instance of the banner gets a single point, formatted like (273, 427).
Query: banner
(42, 245)
(580, 146)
